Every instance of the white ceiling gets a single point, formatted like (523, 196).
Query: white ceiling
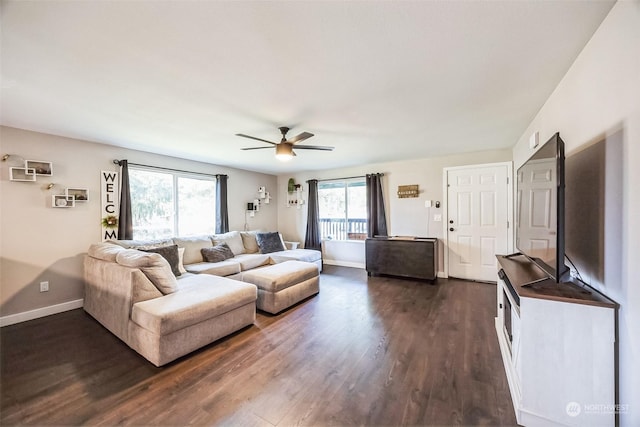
(379, 80)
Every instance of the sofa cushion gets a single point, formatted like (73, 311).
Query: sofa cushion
(154, 266)
(307, 255)
(223, 268)
(233, 239)
(170, 253)
(192, 247)
(104, 251)
(249, 241)
(280, 276)
(249, 261)
(269, 242)
(201, 297)
(217, 253)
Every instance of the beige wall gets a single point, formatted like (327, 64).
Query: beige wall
(596, 107)
(404, 216)
(41, 243)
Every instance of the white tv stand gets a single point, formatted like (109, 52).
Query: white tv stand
(558, 347)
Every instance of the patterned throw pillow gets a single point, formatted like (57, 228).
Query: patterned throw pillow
(269, 242)
(170, 253)
(217, 253)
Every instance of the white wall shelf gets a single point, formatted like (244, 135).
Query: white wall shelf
(62, 201)
(22, 174)
(78, 194)
(294, 198)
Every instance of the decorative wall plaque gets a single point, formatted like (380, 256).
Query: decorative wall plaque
(405, 191)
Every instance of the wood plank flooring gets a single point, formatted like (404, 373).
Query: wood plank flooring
(365, 351)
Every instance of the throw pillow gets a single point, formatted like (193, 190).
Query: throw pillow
(181, 260)
(153, 265)
(170, 253)
(269, 242)
(217, 253)
(232, 239)
(249, 242)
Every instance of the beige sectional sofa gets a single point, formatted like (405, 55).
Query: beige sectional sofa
(135, 294)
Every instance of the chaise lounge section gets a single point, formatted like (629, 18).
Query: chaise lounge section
(135, 295)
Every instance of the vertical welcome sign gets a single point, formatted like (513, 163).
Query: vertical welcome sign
(109, 190)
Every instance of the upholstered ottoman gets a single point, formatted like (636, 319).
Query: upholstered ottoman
(282, 285)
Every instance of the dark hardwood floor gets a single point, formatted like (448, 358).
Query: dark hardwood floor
(365, 351)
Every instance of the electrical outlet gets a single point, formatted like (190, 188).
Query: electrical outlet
(437, 218)
(44, 286)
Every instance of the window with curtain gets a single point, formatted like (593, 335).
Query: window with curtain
(166, 204)
(342, 206)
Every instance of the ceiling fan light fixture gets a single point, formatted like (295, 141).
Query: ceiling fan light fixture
(284, 152)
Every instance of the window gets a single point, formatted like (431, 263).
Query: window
(165, 204)
(342, 206)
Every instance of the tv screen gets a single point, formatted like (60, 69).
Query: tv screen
(540, 208)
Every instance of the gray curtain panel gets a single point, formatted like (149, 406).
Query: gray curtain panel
(377, 220)
(222, 209)
(312, 237)
(125, 219)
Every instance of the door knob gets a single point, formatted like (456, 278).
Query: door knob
(451, 229)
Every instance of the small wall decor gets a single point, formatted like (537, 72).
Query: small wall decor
(78, 194)
(294, 198)
(22, 174)
(264, 195)
(69, 198)
(109, 222)
(406, 191)
(41, 168)
(62, 201)
(30, 169)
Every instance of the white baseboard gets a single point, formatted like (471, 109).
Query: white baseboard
(441, 275)
(343, 263)
(40, 312)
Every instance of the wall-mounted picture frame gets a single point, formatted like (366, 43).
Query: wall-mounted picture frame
(42, 168)
(78, 194)
(22, 174)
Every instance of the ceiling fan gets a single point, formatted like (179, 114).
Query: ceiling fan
(284, 148)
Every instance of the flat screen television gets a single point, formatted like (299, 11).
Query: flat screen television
(540, 208)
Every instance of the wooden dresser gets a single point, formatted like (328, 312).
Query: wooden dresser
(413, 257)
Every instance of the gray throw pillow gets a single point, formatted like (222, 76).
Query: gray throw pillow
(269, 242)
(170, 253)
(217, 253)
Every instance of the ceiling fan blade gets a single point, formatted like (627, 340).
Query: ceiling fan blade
(301, 137)
(256, 148)
(314, 147)
(257, 139)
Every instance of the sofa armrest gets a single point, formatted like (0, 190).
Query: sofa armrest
(291, 245)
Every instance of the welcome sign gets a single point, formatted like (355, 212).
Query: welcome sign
(109, 191)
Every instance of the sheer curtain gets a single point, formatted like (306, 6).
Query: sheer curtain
(222, 209)
(125, 219)
(312, 237)
(377, 220)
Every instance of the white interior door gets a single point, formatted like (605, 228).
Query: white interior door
(478, 215)
(537, 208)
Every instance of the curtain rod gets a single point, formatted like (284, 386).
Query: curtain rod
(117, 162)
(348, 177)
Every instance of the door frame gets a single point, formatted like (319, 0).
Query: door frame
(445, 196)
